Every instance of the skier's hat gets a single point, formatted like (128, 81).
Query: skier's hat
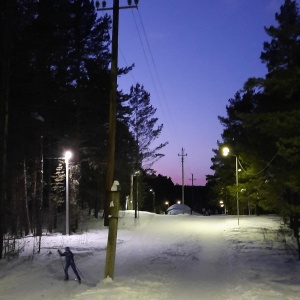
(67, 248)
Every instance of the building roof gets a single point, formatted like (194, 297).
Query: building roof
(177, 209)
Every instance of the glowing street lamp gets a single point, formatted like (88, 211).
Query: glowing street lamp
(225, 152)
(223, 205)
(153, 192)
(68, 155)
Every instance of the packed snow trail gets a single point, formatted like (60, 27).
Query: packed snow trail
(185, 256)
(163, 257)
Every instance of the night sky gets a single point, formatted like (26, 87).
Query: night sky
(192, 56)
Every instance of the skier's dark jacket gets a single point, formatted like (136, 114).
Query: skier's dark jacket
(69, 256)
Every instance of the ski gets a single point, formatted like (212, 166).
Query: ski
(79, 281)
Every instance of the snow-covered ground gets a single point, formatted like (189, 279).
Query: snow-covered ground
(162, 257)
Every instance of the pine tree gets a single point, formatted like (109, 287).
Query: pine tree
(262, 121)
(142, 125)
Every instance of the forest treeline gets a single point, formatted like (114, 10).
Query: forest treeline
(262, 130)
(54, 95)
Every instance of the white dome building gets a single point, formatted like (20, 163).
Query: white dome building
(177, 209)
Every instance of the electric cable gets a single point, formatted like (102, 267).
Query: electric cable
(268, 164)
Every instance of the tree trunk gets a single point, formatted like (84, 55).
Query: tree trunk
(5, 55)
(27, 224)
(50, 202)
(295, 227)
(50, 216)
(40, 205)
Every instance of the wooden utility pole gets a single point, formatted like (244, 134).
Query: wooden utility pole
(193, 194)
(182, 173)
(113, 99)
(112, 193)
(112, 110)
(112, 230)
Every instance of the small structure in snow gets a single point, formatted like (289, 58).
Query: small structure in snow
(177, 209)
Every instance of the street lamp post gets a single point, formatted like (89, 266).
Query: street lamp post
(167, 205)
(237, 189)
(153, 192)
(249, 211)
(226, 153)
(136, 203)
(68, 155)
(131, 193)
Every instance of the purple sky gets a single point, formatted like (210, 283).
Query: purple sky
(202, 53)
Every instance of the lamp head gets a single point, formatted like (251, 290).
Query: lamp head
(68, 155)
(225, 151)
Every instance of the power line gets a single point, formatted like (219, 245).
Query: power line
(122, 53)
(145, 54)
(156, 73)
(152, 76)
(154, 65)
(268, 164)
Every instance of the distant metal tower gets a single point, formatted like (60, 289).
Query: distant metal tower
(182, 172)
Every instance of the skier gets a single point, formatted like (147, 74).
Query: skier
(69, 262)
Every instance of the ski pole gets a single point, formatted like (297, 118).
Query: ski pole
(80, 274)
(61, 261)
